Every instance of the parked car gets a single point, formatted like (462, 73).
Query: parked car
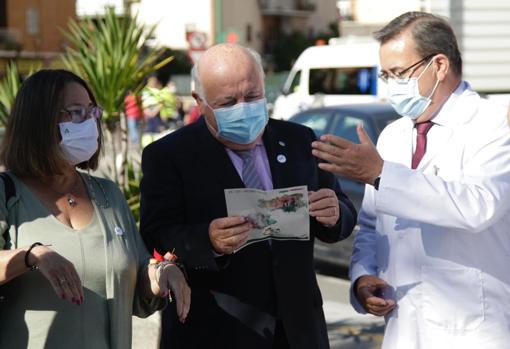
(342, 120)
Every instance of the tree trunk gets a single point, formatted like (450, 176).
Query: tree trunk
(111, 150)
(123, 161)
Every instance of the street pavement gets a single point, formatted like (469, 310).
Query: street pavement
(347, 329)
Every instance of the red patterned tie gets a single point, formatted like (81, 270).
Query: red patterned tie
(421, 142)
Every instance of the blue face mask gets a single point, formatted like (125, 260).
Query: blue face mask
(242, 123)
(405, 96)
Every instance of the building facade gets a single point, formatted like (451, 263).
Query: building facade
(30, 30)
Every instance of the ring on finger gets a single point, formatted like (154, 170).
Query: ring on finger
(62, 281)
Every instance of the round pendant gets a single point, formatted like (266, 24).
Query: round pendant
(71, 201)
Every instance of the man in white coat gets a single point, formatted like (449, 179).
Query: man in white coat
(433, 251)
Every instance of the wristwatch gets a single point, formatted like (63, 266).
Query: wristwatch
(376, 183)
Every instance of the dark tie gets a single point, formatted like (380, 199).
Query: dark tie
(421, 142)
(251, 178)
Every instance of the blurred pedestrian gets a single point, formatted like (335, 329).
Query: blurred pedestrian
(151, 103)
(134, 115)
(266, 294)
(73, 268)
(433, 247)
(193, 115)
(168, 100)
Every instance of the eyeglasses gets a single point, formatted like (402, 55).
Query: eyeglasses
(401, 76)
(80, 114)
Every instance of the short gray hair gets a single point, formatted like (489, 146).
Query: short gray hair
(195, 76)
(432, 35)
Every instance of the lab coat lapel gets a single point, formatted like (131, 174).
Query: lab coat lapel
(402, 147)
(442, 135)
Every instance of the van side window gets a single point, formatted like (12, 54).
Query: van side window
(343, 81)
(295, 82)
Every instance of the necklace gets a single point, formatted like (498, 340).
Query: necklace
(90, 180)
(71, 199)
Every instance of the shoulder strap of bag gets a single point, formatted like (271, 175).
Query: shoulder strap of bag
(10, 191)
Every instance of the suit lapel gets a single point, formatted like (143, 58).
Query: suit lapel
(276, 154)
(214, 160)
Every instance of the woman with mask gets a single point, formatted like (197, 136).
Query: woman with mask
(73, 267)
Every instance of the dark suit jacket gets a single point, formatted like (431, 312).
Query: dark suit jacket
(236, 298)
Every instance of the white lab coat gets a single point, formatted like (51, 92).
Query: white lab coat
(440, 235)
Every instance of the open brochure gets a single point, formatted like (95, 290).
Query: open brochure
(280, 214)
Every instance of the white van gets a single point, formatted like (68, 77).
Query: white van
(345, 71)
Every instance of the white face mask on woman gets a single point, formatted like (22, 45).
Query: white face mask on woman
(79, 141)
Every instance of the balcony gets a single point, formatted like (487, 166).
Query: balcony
(288, 8)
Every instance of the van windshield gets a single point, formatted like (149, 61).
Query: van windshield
(343, 81)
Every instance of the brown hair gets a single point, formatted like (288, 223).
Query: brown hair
(431, 34)
(31, 143)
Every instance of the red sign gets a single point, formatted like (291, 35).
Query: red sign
(197, 42)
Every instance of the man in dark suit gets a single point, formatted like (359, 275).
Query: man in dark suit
(266, 294)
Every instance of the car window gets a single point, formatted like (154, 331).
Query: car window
(343, 81)
(346, 124)
(317, 121)
(384, 120)
(295, 82)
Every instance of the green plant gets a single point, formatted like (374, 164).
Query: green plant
(9, 87)
(107, 53)
(132, 190)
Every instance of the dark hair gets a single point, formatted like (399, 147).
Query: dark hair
(31, 143)
(432, 35)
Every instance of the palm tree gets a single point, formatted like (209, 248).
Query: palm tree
(107, 53)
(9, 87)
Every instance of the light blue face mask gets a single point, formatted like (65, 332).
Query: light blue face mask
(405, 97)
(242, 123)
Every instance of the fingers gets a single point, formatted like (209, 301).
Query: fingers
(362, 135)
(176, 282)
(67, 284)
(234, 234)
(321, 146)
(75, 285)
(336, 141)
(331, 167)
(230, 244)
(242, 240)
(227, 222)
(61, 274)
(326, 153)
(379, 306)
(368, 289)
(320, 194)
(186, 302)
(233, 231)
(324, 206)
(322, 199)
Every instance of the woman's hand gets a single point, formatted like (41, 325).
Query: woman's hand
(169, 278)
(60, 273)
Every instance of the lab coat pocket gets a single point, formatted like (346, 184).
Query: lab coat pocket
(452, 298)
